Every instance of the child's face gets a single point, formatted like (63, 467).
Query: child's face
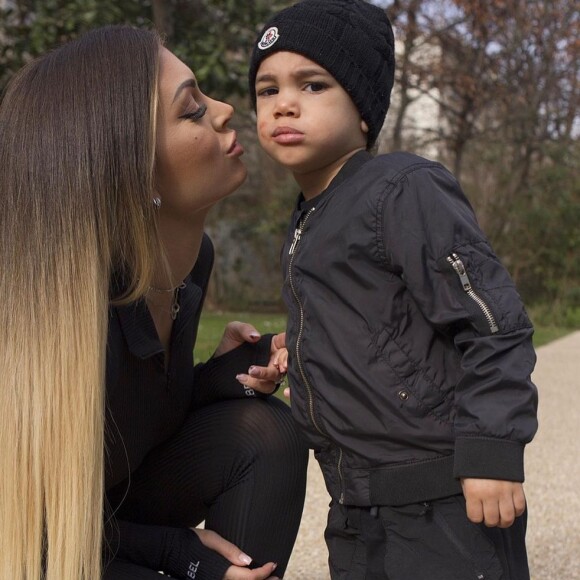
(306, 120)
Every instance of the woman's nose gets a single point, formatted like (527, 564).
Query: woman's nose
(221, 113)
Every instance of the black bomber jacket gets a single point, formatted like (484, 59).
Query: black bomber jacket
(410, 349)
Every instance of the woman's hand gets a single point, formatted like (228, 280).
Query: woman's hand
(262, 379)
(236, 333)
(265, 379)
(239, 560)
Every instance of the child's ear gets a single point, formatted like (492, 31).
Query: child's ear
(364, 127)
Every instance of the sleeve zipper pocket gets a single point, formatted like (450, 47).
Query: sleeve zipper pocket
(460, 270)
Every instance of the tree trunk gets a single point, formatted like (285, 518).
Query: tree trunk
(163, 17)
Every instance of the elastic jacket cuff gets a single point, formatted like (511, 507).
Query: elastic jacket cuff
(488, 458)
(413, 482)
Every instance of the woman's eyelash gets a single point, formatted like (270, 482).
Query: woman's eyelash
(196, 115)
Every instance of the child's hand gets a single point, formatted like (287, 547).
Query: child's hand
(493, 502)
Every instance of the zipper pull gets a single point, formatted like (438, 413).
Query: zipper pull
(458, 266)
(297, 234)
(460, 270)
(298, 231)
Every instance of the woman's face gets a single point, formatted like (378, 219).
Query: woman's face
(197, 155)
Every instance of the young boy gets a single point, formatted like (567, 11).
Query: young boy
(410, 350)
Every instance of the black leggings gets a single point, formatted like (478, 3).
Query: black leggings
(239, 465)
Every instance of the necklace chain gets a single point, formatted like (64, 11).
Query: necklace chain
(166, 291)
(174, 310)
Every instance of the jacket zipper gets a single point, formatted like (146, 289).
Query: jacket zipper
(340, 476)
(295, 241)
(459, 268)
(292, 251)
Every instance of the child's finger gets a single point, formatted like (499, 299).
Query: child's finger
(474, 510)
(283, 361)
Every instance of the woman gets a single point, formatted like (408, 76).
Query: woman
(110, 158)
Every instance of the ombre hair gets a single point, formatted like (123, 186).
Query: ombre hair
(77, 147)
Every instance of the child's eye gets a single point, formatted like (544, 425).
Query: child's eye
(268, 92)
(315, 87)
(195, 115)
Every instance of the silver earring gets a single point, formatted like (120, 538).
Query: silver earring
(157, 202)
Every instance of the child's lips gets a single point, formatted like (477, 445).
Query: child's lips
(287, 135)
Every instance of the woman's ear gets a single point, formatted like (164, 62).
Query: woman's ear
(364, 127)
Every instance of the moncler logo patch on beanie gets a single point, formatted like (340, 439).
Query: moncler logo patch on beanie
(352, 39)
(269, 38)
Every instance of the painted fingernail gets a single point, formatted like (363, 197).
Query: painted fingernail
(245, 559)
(254, 371)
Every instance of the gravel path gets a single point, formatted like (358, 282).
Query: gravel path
(552, 486)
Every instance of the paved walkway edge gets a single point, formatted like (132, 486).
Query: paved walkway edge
(552, 486)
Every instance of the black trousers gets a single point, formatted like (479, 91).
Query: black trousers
(430, 541)
(239, 465)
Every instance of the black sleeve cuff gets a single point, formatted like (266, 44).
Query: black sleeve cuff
(189, 558)
(175, 551)
(487, 458)
(216, 378)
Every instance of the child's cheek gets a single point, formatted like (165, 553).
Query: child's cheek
(262, 128)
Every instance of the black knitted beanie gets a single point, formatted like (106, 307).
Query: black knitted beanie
(352, 39)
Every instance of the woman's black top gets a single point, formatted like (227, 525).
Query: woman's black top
(146, 404)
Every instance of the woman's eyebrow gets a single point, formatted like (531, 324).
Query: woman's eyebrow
(189, 83)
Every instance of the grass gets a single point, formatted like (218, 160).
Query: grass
(213, 323)
(545, 334)
(212, 326)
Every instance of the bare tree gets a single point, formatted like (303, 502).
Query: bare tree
(163, 17)
(504, 78)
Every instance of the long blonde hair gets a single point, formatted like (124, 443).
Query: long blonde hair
(77, 134)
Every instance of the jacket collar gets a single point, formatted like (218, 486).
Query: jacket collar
(347, 171)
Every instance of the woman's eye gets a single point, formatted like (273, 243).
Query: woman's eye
(315, 87)
(267, 92)
(195, 115)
